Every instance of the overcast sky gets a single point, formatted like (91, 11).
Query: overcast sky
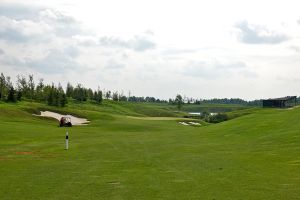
(201, 49)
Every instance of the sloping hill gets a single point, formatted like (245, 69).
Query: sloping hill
(255, 156)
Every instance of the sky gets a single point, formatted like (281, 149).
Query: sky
(246, 49)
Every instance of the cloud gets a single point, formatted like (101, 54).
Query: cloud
(295, 48)
(215, 69)
(288, 79)
(23, 30)
(138, 43)
(22, 24)
(179, 51)
(55, 61)
(86, 40)
(19, 11)
(2, 52)
(63, 25)
(254, 34)
(111, 64)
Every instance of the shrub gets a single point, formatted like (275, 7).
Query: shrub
(220, 117)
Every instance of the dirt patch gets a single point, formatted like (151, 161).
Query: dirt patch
(24, 152)
(4, 158)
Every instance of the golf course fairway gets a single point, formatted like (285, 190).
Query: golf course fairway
(255, 156)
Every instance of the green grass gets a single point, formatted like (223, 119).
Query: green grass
(255, 156)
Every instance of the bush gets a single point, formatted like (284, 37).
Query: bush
(220, 117)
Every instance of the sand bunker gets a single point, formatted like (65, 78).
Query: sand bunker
(75, 120)
(184, 123)
(190, 123)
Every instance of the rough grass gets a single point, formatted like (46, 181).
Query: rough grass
(255, 156)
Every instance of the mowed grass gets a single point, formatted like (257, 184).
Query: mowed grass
(256, 156)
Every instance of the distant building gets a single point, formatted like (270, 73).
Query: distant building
(283, 102)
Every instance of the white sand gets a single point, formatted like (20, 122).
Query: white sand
(195, 123)
(75, 120)
(190, 123)
(183, 123)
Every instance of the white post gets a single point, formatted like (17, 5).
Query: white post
(67, 141)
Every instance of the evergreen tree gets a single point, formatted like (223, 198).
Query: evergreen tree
(70, 90)
(90, 93)
(19, 96)
(63, 100)
(98, 96)
(80, 93)
(40, 90)
(2, 87)
(108, 94)
(179, 101)
(115, 96)
(50, 97)
(11, 94)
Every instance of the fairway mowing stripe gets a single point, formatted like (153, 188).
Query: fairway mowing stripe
(113, 161)
(179, 181)
(24, 152)
(294, 163)
(169, 171)
(95, 176)
(115, 184)
(5, 159)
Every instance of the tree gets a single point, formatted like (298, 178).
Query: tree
(98, 96)
(115, 96)
(22, 86)
(63, 100)
(179, 101)
(2, 87)
(50, 96)
(11, 94)
(80, 93)
(205, 114)
(40, 90)
(90, 93)
(220, 117)
(19, 96)
(31, 87)
(70, 90)
(108, 94)
(55, 95)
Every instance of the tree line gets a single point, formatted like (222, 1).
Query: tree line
(179, 101)
(27, 89)
(55, 95)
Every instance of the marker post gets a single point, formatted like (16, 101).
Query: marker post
(67, 141)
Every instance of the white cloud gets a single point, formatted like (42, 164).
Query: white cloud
(154, 49)
(254, 34)
(215, 69)
(138, 43)
(23, 30)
